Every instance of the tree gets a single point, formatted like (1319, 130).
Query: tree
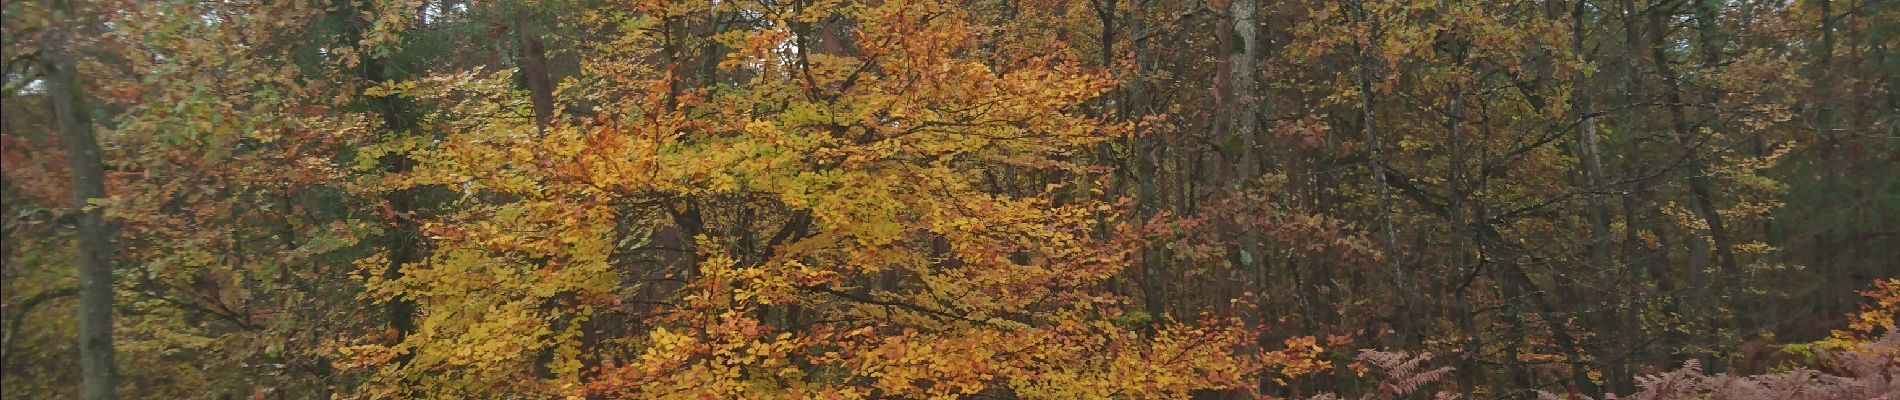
(87, 170)
(943, 198)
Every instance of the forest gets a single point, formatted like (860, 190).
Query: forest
(950, 199)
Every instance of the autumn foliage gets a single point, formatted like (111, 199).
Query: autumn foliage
(1042, 199)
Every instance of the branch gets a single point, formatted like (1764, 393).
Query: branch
(26, 307)
(826, 289)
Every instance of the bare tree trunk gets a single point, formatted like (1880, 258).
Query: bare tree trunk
(1471, 373)
(1590, 147)
(1246, 109)
(1225, 285)
(1249, 271)
(534, 65)
(1703, 202)
(1591, 162)
(1376, 163)
(1823, 124)
(1147, 159)
(98, 375)
(1639, 209)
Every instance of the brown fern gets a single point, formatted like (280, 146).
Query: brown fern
(1865, 372)
(1400, 375)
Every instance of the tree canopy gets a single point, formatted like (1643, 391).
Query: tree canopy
(838, 199)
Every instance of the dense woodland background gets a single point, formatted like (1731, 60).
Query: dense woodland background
(1056, 199)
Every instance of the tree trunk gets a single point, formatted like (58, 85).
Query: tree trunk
(402, 241)
(1375, 162)
(1702, 197)
(1246, 110)
(1471, 373)
(1640, 212)
(1249, 271)
(98, 375)
(534, 66)
(1591, 163)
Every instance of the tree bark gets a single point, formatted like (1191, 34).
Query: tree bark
(1375, 162)
(1702, 196)
(1243, 63)
(1591, 165)
(98, 374)
(534, 66)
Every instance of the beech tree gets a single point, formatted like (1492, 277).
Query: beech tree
(948, 198)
